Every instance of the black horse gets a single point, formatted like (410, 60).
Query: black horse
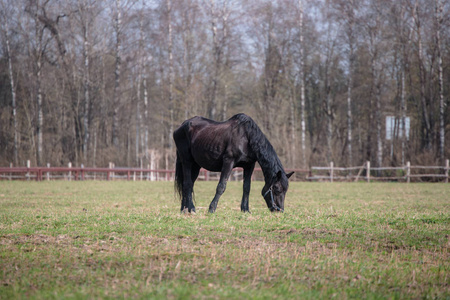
(221, 146)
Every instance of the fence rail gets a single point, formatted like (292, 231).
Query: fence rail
(117, 173)
(332, 173)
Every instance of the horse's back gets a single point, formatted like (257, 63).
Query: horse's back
(190, 131)
(209, 142)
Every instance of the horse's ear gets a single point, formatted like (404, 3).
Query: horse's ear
(289, 175)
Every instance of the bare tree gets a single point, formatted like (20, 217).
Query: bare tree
(33, 9)
(218, 17)
(439, 22)
(349, 15)
(302, 82)
(330, 45)
(404, 36)
(374, 30)
(190, 29)
(422, 76)
(84, 9)
(171, 71)
(5, 28)
(118, 64)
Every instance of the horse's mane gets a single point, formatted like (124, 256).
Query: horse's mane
(260, 145)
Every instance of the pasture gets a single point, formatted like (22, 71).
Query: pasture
(128, 239)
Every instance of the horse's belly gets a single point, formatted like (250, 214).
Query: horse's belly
(207, 159)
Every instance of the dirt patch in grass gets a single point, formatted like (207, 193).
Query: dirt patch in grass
(34, 239)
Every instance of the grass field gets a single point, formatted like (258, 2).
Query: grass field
(128, 239)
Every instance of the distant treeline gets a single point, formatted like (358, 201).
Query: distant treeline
(91, 81)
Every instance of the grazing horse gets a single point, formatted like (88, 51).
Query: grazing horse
(221, 146)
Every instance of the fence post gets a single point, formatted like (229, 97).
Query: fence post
(82, 172)
(331, 171)
(167, 166)
(408, 171)
(69, 165)
(28, 172)
(110, 173)
(447, 166)
(10, 174)
(368, 171)
(152, 164)
(48, 173)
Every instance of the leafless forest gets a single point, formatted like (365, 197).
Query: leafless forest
(89, 81)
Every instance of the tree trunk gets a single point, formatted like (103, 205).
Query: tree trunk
(139, 144)
(378, 121)
(349, 119)
(138, 123)
(216, 63)
(376, 74)
(116, 98)
(86, 84)
(403, 88)
(425, 115)
(376, 94)
(171, 72)
(439, 21)
(351, 59)
(292, 128)
(13, 91)
(328, 96)
(403, 112)
(146, 120)
(40, 114)
(187, 43)
(329, 115)
(302, 84)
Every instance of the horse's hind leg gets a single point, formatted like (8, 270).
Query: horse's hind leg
(188, 186)
(195, 170)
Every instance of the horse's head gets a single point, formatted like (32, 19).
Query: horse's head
(275, 192)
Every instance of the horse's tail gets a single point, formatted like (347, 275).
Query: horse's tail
(179, 177)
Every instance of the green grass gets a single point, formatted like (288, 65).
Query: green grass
(128, 239)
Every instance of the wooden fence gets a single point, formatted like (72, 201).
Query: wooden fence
(70, 173)
(330, 173)
(365, 172)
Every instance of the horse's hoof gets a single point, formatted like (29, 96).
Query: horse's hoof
(276, 209)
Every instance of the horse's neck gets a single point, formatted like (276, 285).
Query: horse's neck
(269, 165)
(265, 154)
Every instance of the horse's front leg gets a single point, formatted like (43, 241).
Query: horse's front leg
(248, 171)
(225, 173)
